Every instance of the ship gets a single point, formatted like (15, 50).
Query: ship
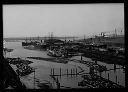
(54, 53)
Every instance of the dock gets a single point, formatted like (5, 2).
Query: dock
(94, 65)
(96, 81)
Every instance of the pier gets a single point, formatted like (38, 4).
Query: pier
(96, 81)
(22, 66)
(96, 66)
(90, 80)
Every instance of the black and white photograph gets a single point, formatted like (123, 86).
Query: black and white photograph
(63, 46)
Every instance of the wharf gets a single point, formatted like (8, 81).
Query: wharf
(93, 65)
(90, 80)
(22, 67)
(103, 56)
(96, 81)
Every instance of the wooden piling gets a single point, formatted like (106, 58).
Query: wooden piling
(58, 84)
(108, 76)
(114, 66)
(53, 71)
(81, 57)
(116, 78)
(71, 72)
(60, 72)
(76, 71)
(67, 72)
(95, 61)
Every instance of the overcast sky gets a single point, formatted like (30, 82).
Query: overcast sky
(62, 20)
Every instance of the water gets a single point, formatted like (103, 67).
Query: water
(43, 68)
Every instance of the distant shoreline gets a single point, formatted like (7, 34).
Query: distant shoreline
(36, 38)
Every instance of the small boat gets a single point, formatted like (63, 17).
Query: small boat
(8, 50)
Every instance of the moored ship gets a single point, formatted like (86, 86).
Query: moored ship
(54, 53)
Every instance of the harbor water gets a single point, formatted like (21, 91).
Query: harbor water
(43, 69)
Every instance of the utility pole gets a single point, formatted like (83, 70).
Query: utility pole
(26, 39)
(65, 39)
(73, 38)
(38, 37)
(84, 39)
(115, 33)
(121, 32)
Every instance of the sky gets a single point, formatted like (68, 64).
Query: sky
(61, 19)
